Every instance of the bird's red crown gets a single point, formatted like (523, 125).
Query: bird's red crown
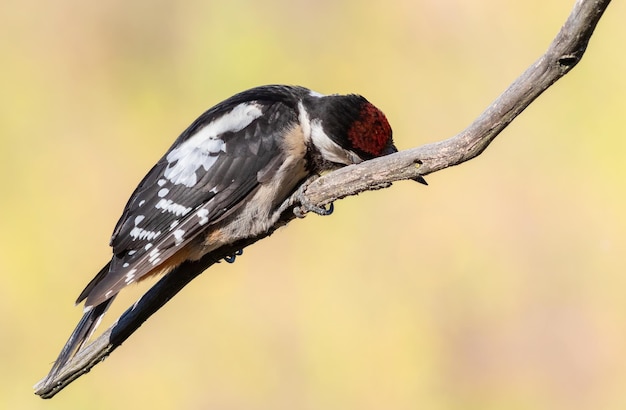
(371, 132)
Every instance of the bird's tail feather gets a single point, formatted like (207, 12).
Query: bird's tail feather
(81, 334)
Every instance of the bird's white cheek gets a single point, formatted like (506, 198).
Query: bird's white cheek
(329, 149)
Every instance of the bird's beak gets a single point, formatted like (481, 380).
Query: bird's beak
(390, 149)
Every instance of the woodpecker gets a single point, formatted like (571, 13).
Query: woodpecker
(225, 179)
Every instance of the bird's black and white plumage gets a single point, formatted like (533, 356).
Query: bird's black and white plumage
(225, 178)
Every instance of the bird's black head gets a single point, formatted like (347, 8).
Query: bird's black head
(357, 127)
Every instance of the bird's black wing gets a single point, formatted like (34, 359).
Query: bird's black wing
(207, 173)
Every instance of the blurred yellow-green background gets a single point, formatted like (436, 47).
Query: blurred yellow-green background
(501, 285)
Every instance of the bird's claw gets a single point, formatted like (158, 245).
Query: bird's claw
(305, 207)
(231, 258)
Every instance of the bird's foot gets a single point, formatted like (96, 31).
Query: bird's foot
(231, 258)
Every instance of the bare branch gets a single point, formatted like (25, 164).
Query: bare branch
(564, 53)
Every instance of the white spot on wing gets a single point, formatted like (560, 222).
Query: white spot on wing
(130, 276)
(178, 235)
(163, 192)
(154, 256)
(202, 149)
(167, 205)
(143, 201)
(148, 246)
(161, 182)
(203, 214)
(143, 234)
(174, 224)
(138, 219)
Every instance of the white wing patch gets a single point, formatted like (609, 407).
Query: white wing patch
(202, 149)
